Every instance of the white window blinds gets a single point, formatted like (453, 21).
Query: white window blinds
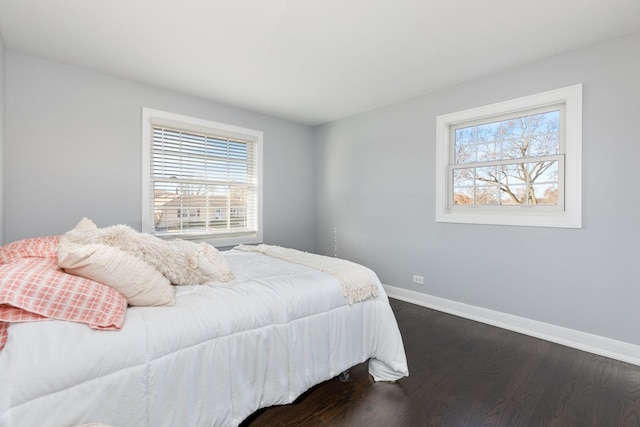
(203, 184)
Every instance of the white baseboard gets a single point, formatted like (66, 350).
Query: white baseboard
(595, 344)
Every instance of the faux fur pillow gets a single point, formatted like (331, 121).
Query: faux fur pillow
(176, 266)
(209, 260)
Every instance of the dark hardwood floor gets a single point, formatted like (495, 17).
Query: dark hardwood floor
(465, 373)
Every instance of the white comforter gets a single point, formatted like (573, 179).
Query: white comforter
(224, 351)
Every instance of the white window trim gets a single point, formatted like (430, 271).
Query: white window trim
(198, 125)
(570, 217)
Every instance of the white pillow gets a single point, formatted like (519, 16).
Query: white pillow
(209, 260)
(142, 284)
(174, 265)
(85, 225)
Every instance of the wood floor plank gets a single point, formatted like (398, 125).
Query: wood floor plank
(465, 373)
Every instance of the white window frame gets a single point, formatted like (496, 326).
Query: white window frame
(569, 215)
(152, 117)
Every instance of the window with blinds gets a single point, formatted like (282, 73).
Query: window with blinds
(204, 179)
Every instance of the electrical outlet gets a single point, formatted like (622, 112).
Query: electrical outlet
(418, 279)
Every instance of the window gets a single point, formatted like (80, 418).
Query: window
(201, 180)
(512, 163)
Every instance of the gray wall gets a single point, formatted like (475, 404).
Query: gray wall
(2, 137)
(375, 177)
(73, 149)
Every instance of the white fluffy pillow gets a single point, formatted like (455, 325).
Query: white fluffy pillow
(138, 281)
(209, 260)
(176, 266)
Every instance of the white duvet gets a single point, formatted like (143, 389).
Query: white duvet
(224, 351)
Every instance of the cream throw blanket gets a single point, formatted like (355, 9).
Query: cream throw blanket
(358, 282)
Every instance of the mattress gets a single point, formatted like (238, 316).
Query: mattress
(222, 352)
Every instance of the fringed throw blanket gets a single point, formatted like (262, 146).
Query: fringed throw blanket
(358, 282)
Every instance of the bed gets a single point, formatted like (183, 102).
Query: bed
(219, 353)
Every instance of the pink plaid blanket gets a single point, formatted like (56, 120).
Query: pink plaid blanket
(33, 288)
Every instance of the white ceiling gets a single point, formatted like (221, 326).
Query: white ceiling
(311, 61)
